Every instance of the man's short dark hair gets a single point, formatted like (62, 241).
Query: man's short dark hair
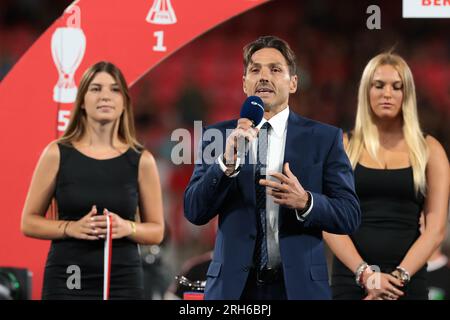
(271, 42)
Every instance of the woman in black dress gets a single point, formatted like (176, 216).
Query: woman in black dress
(398, 173)
(97, 168)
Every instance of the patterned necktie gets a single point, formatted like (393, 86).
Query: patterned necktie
(261, 255)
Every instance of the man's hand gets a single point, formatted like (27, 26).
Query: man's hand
(244, 130)
(288, 192)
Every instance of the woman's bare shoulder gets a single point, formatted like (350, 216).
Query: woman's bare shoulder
(435, 150)
(51, 152)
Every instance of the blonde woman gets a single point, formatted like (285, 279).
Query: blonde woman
(398, 172)
(96, 168)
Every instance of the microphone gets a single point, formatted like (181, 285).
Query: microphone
(252, 109)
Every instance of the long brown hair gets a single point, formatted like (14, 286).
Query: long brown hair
(77, 124)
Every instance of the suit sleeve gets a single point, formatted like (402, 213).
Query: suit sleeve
(206, 190)
(337, 209)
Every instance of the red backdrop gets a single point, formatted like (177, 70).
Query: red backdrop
(37, 95)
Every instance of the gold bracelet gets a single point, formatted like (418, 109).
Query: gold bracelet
(133, 228)
(65, 235)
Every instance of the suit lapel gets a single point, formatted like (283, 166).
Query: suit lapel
(297, 148)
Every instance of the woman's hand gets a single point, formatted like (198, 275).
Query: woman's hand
(382, 286)
(371, 297)
(84, 228)
(120, 227)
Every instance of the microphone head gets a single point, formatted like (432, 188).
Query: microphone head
(253, 109)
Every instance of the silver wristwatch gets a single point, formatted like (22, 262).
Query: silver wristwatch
(403, 274)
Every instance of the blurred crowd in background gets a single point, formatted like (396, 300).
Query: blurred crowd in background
(203, 81)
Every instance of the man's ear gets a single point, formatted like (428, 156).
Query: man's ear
(243, 84)
(293, 84)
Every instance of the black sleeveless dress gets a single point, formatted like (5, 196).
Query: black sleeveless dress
(389, 227)
(82, 182)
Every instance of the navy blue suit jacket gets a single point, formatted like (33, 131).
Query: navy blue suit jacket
(317, 158)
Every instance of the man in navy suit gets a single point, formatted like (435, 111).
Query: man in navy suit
(296, 181)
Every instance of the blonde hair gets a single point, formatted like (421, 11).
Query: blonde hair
(77, 124)
(365, 133)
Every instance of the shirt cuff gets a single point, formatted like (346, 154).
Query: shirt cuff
(223, 167)
(302, 217)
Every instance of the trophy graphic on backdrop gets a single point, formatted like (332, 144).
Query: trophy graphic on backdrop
(68, 45)
(161, 12)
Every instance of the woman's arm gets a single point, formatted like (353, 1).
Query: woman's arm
(151, 228)
(34, 224)
(344, 249)
(341, 245)
(435, 209)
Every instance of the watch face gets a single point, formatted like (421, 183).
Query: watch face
(403, 276)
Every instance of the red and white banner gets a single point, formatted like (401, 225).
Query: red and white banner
(107, 255)
(36, 96)
(426, 8)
